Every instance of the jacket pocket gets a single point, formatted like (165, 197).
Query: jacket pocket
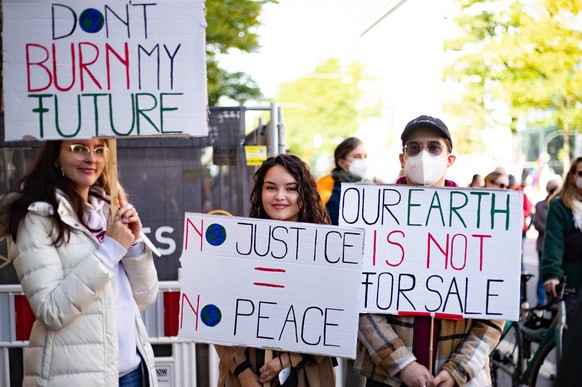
(47, 355)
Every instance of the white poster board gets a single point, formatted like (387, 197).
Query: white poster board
(270, 284)
(82, 69)
(446, 252)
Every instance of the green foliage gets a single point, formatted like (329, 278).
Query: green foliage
(525, 56)
(232, 24)
(328, 104)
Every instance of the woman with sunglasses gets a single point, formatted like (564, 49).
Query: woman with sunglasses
(85, 275)
(562, 254)
(496, 180)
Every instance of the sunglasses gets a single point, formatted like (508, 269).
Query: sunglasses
(500, 185)
(579, 173)
(81, 152)
(434, 148)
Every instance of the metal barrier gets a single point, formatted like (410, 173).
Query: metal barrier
(178, 362)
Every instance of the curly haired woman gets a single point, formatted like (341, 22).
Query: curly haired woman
(284, 190)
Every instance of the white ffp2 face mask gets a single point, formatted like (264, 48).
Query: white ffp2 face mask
(358, 167)
(425, 169)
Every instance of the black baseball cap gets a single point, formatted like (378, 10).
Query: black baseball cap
(425, 122)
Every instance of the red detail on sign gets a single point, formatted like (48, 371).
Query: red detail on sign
(448, 316)
(405, 313)
(268, 285)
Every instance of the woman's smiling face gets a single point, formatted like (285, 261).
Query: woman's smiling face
(82, 162)
(280, 194)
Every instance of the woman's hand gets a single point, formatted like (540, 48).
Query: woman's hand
(126, 227)
(550, 286)
(271, 369)
(128, 215)
(248, 378)
(120, 232)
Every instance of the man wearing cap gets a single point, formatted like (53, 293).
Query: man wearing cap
(395, 350)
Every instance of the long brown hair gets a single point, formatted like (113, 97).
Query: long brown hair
(568, 190)
(40, 185)
(310, 208)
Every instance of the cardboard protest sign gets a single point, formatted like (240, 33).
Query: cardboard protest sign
(82, 69)
(446, 252)
(270, 284)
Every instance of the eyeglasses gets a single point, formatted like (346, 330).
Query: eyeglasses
(413, 148)
(81, 152)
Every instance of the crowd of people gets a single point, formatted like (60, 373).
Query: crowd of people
(87, 274)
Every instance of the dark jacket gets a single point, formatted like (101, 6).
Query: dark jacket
(539, 221)
(559, 228)
(339, 176)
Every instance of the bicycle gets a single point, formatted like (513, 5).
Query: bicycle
(513, 355)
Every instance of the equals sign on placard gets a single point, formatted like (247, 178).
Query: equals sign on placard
(269, 270)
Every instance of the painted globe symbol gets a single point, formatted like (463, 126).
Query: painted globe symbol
(215, 234)
(91, 20)
(211, 315)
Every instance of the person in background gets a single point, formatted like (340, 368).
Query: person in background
(563, 240)
(539, 222)
(325, 188)
(284, 190)
(350, 166)
(496, 180)
(476, 181)
(527, 211)
(395, 350)
(85, 273)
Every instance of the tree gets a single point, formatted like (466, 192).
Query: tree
(326, 105)
(231, 24)
(524, 56)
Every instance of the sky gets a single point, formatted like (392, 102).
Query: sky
(404, 51)
(297, 35)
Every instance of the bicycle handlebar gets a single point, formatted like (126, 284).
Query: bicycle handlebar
(563, 293)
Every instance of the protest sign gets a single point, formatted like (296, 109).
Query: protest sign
(82, 69)
(446, 252)
(270, 284)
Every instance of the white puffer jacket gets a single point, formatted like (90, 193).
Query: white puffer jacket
(74, 338)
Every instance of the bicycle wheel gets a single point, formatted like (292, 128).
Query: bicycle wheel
(506, 360)
(544, 370)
